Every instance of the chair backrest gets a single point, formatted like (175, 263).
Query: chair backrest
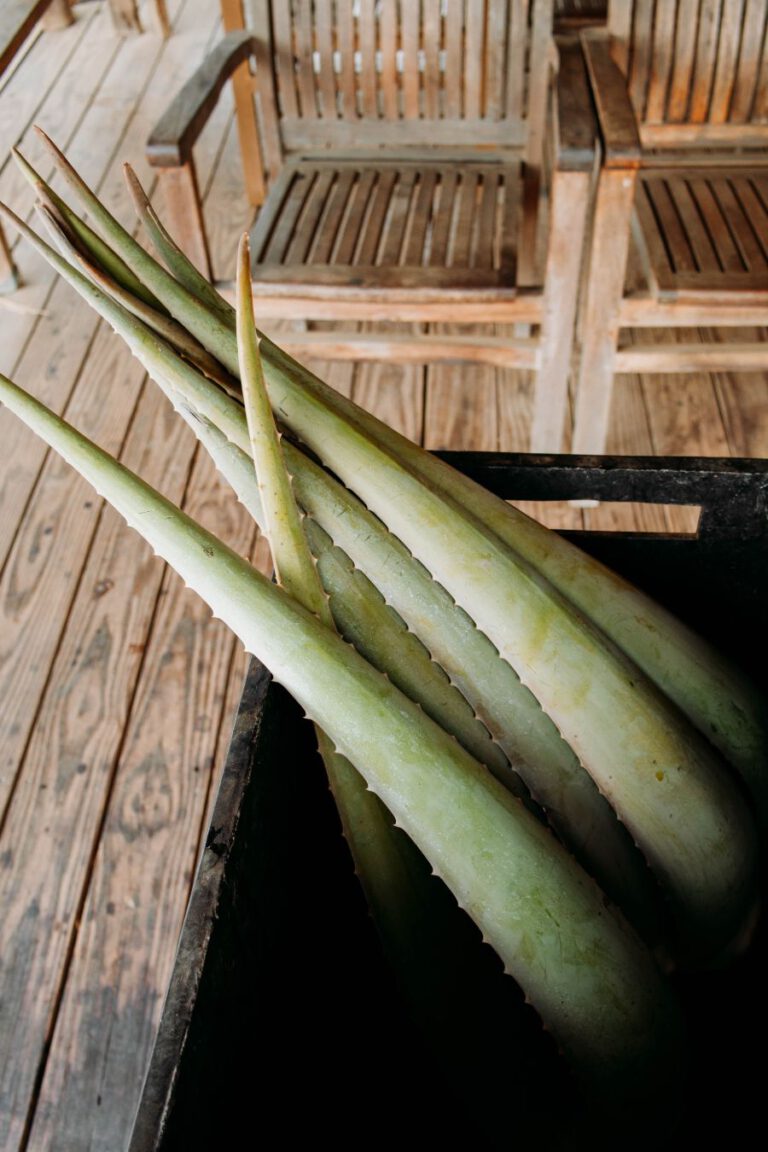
(697, 70)
(395, 73)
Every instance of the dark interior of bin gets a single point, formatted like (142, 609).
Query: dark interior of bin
(283, 1025)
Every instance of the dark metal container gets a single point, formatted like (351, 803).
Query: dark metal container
(283, 1026)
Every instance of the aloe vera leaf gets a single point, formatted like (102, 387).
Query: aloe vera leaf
(158, 321)
(291, 556)
(174, 259)
(663, 779)
(396, 879)
(583, 818)
(715, 694)
(91, 242)
(361, 614)
(213, 329)
(146, 345)
(594, 984)
(720, 701)
(680, 871)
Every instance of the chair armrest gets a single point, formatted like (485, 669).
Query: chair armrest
(615, 114)
(172, 139)
(575, 124)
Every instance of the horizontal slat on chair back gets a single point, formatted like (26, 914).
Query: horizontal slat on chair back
(697, 69)
(379, 72)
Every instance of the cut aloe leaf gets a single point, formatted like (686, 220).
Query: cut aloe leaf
(595, 986)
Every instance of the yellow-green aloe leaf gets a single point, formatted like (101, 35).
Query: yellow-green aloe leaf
(595, 986)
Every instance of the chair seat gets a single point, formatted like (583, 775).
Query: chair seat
(410, 229)
(702, 231)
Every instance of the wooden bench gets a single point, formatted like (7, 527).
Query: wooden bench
(17, 19)
(406, 160)
(681, 89)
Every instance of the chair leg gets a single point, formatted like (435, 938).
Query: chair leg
(567, 226)
(57, 15)
(184, 212)
(162, 19)
(125, 15)
(600, 320)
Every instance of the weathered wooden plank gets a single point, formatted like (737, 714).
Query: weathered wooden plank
(460, 408)
(685, 52)
(409, 25)
(346, 58)
(366, 47)
(104, 114)
(404, 347)
(67, 773)
(717, 226)
(514, 81)
(302, 233)
(291, 209)
(609, 246)
(284, 70)
(353, 227)
(466, 199)
(641, 55)
(149, 845)
(693, 202)
(422, 214)
(733, 196)
(388, 42)
(394, 393)
(368, 250)
(433, 78)
(19, 17)
(661, 60)
(729, 43)
(399, 208)
(748, 70)
(706, 57)
(327, 234)
(326, 78)
(743, 404)
(683, 412)
(66, 326)
(441, 232)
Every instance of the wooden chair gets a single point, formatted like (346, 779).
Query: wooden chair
(681, 88)
(403, 158)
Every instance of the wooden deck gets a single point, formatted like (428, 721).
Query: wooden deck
(118, 691)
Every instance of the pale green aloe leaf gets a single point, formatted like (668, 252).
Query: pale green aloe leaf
(212, 329)
(360, 613)
(395, 877)
(89, 240)
(715, 694)
(723, 703)
(174, 259)
(595, 986)
(629, 770)
(549, 768)
(153, 352)
(660, 775)
(158, 321)
(291, 555)
(720, 701)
